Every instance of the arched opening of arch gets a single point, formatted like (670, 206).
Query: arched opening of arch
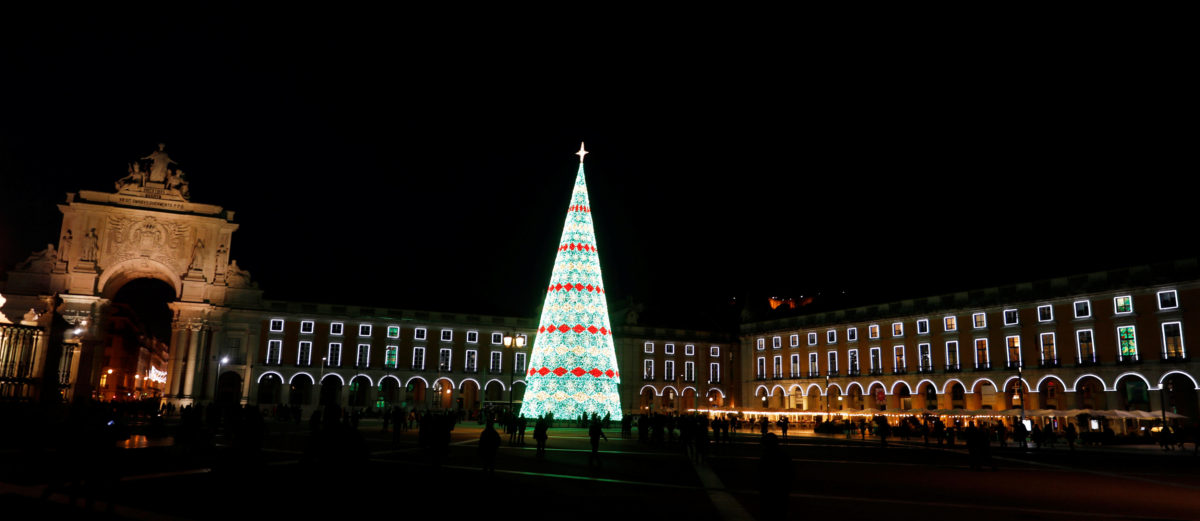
(444, 397)
(854, 397)
(926, 397)
(360, 388)
(646, 400)
(1051, 395)
(300, 390)
(958, 396)
(331, 391)
(764, 396)
(1132, 394)
(493, 391)
(1179, 395)
(986, 396)
(1089, 394)
(269, 390)
(877, 396)
(904, 397)
(389, 392)
(470, 397)
(715, 398)
(416, 391)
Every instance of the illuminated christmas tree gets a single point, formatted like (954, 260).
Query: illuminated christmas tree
(573, 367)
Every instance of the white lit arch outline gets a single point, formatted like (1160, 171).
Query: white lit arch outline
(648, 386)
(795, 388)
(369, 382)
(440, 378)
(671, 387)
(897, 384)
(1162, 381)
(765, 391)
(782, 391)
(722, 393)
(950, 382)
(463, 383)
(984, 379)
(497, 380)
(872, 386)
(292, 380)
(1117, 380)
(841, 392)
(808, 391)
(1054, 377)
(393, 377)
(1024, 382)
(855, 384)
(930, 382)
(1075, 386)
(261, 376)
(410, 381)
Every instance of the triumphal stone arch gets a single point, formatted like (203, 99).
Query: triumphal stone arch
(148, 227)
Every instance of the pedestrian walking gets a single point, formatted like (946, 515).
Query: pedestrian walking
(489, 444)
(595, 433)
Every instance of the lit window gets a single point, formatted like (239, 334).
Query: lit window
(418, 362)
(873, 331)
(444, 357)
(832, 366)
(950, 323)
(364, 355)
(923, 326)
(714, 372)
(899, 365)
(812, 339)
(670, 349)
(391, 356)
(689, 350)
(471, 362)
(419, 333)
(1127, 339)
(669, 370)
(980, 320)
(274, 351)
(1045, 313)
(761, 344)
(649, 347)
(1083, 309)
(447, 335)
(1014, 350)
(1123, 304)
(925, 357)
(897, 329)
(307, 327)
(519, 362)
(335, 328)
(648, 369)
(1168, 299)
(714, 351)
(852, 362)
(777, 365)
(952, 355)
(276, 325)
(795, 369)
(1084, 346)
(333, 357)
(795, 340)
(852, 334)
(497, 364)
(981, 354)
(1049, 352)
(364, 330)
(304, 354)
(1173, 340)
(497, 338)
(876, 359)
(1010, 317)
(814, 368)
(760, 367)
(393, 331)
(831, 336)
(776, 342)
(472, 337)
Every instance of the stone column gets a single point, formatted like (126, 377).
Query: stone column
(1032, 401)
(893, 402)
(249, 387)
(1156, 403)
(192, 359)
(176, 365)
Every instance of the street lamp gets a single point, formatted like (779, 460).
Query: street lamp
(517, 342)
(222, 361)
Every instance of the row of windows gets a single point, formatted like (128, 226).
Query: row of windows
(337, 329)
(1122, 305)
(333, 357)
(1085, 352)
(689, 371)
(688, 349)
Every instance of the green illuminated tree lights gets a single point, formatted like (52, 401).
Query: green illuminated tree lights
(573, 367)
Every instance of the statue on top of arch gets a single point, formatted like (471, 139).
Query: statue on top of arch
(157, 176)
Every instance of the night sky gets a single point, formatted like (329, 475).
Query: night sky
(416, 161)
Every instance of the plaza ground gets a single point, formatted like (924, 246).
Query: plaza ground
(834, 476)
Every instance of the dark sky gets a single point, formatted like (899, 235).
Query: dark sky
(423, 161)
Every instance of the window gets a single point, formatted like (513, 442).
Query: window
(472, 337)
(649, 347)
(274, 351)
(419, 333)
(795, 366)
(391, 355)
(777, 365)
(714, 351)
(1084, 346)
(335, 328)
(497, 364)
(1173, 340)
(814, 368)
(444, 359)
(812, 339)
(852, 334)
(761, 344)
(471, 361)
(923, 326)
(898, 364)
(333, 357)
(897, 329)
(873, 331)
(364, 355)
(1127, 339)
(776, 342)
(1083, 309)
(831, 336)
(1014, 350)
(952, 355)
(418, 362)
(519, 362)
(689, 350)
(1010, 317)
(795, 340)
(648, 369)
(497, 338)
(307, 327)
(925, 357)
(1123, 304)
(364, 330)
(1045, 313)
(714, 372)
(670, 348)
(1049, 352)
(1168, 299)
(276, 325)
(831, 362)
(980, 320)
(950, 323)
(876, 359)
(447, 335)
(669, 370)
(304, 354)
(760, 368)
(852, 362)
(981, 354)
(393, 331)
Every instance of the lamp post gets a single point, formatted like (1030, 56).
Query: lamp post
(826, 395)
(1021, 391)
(216, 381)
(514, 341)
